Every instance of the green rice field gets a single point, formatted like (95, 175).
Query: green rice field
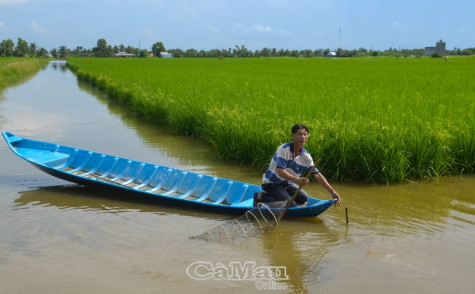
(377, 120)
(14, 70)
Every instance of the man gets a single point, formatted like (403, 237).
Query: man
(283, 177)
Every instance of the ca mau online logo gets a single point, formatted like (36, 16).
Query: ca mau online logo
(237, 271)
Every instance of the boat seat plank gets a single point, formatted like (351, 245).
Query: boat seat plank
(71, 158)
(136, 174)
(224, 193)
(192, 187)
(42, 156)
(208, 190)
(178, 183)
(148, 178)
(220, 190)
(236, 194)
(159, 179)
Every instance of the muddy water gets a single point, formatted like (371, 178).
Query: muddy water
(57, 237)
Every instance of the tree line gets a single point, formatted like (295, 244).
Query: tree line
(24, 49)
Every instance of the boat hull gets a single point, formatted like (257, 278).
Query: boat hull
(146, 180)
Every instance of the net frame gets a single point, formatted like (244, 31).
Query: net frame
(257, 221)
(276, 210)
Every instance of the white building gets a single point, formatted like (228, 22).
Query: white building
(166, 55)
(123, 54)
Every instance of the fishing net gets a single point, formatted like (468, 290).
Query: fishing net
(263, 218)
(257, 221)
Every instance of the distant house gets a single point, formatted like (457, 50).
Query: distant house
(123, 54)
(439, 49)
(331, 54)
(166, 55)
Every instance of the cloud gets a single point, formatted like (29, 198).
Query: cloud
(149, 34)
(397, 24)
(37, 28)
(212, 29)
(2, 24)
(276, 2)
(269, 30)
(12, 1)
(261, 29)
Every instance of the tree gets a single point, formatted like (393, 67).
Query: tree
(306, 53)
(42, 52)
(319, 53)
(54, 53)
(102, 50)
(7, 48)
(142, 53)
(63, 52)
(214, 53)
(157, 48)
(130, 49)
(32, 50)
(21, 48)
(241, 51)
(177, 52)
(79, 52)
(191, 53)
(266, 52)
(338, 52)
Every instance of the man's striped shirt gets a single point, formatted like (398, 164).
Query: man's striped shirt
(285, 158)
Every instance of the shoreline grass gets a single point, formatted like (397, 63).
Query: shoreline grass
(378, 120)
(14, 70)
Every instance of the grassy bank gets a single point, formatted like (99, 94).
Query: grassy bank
(371, 120)
(15, 70)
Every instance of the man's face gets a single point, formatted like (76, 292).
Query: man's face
(300, 137)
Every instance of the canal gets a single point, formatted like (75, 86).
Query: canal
(58, 237)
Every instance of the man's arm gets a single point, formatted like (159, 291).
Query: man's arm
(323, 181)
(287, 176)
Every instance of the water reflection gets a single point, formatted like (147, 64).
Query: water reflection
(78, 197)
(300, 251)
(58, 65)
(413, 208)
(299, 245)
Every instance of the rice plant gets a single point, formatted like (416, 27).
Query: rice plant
(14, 70)
(378, 120)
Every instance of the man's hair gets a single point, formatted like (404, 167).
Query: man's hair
(297, 127)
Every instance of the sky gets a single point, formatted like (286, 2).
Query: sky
(256, 24)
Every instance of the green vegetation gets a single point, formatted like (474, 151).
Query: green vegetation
(103, 49)
(14, 70)
(371, 119)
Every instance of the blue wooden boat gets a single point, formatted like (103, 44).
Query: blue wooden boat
(146, 180)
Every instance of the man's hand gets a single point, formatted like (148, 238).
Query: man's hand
(337, 197)
(301, 181)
